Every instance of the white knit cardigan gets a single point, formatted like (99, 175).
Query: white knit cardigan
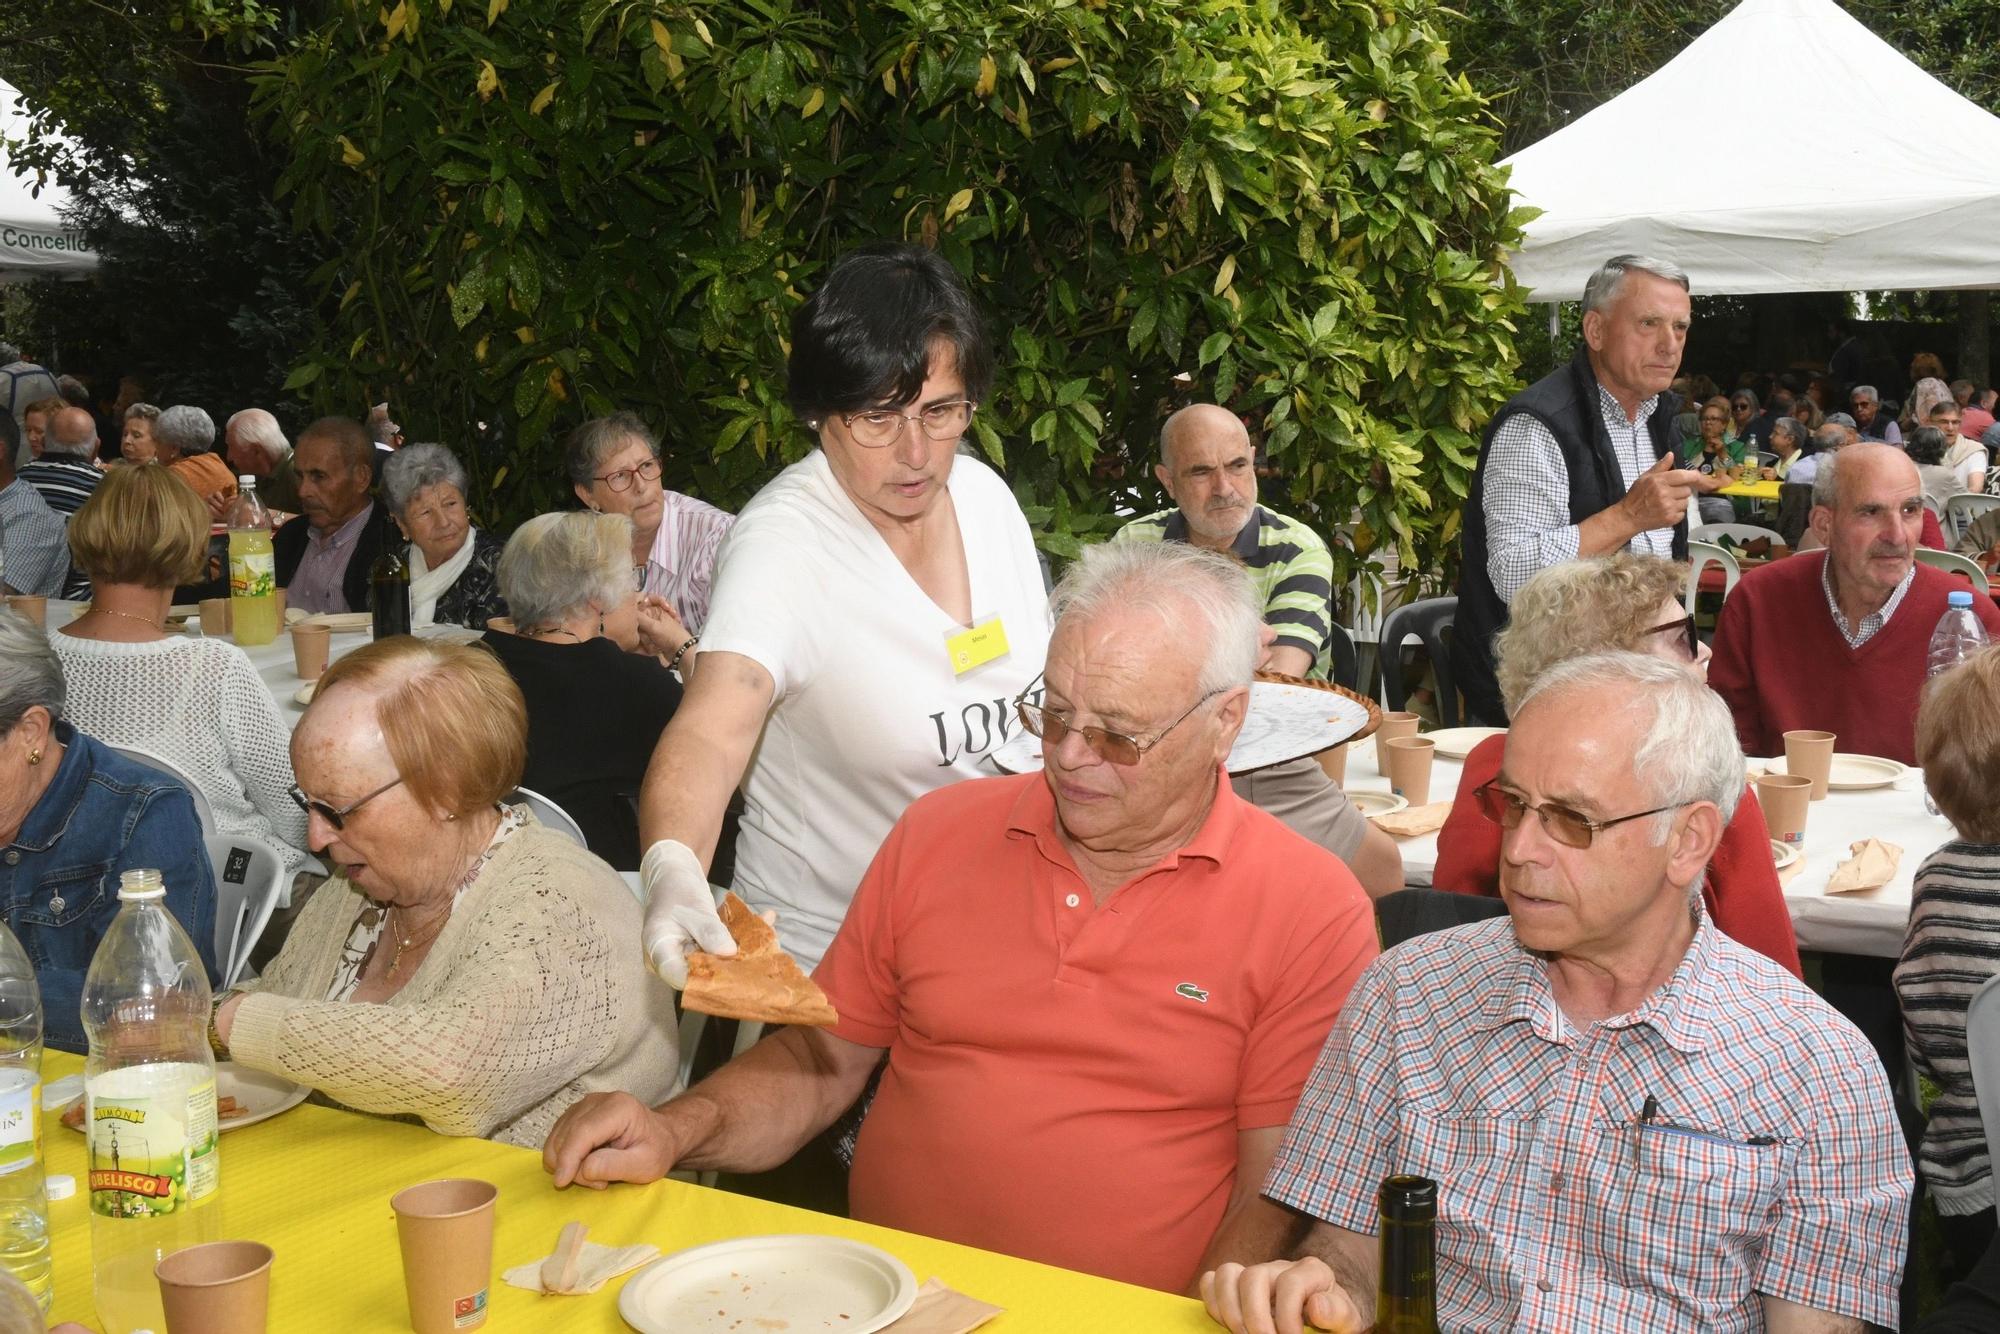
(534, 994)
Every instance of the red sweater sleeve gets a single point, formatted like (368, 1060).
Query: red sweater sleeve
(1469, 844)
(1932, 536)
(1729, 673)
(1742, 890)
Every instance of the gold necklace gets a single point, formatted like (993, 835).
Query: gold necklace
(404, 942)
(143, 620)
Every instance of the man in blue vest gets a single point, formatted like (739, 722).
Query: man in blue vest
(1580, 463)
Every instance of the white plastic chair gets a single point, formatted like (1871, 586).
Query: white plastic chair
(249, 874)
(546, 812)
(1960, 512)
(1982, 1049)
(1701, 555)
(1741, 532)
(1953, 563)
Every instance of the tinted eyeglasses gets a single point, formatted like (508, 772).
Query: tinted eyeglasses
(1572, 829)
(1111, 747)
(1691, 642)
(336, 815)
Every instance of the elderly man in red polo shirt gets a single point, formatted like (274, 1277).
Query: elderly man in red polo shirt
(1099, 988)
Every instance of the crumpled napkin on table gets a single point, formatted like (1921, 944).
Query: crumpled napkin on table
(595, 1266)
(1872, 863)
(940, 1310)
(1412, 821)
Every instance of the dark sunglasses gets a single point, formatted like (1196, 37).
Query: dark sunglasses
(336, 815)
(1685, 627)
(1572, 829)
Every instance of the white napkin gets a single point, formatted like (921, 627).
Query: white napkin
(941, 1310)
(595, 1266)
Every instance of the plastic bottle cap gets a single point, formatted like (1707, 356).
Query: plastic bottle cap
(247, 480)
(1959, 598)
(61, 1186)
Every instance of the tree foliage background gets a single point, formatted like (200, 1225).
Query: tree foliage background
(545, 209)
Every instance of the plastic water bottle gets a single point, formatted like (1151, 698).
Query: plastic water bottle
(1958, 635)
(253, 567)
(149, 1091)
(24, 1209)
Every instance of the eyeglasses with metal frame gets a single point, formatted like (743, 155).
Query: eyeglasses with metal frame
(336, 815)
(620, 479)
(1111, 747)
(1571, 828)
(878, 428)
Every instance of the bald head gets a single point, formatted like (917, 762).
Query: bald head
(72, 432)
(1868, 511)
(1209, 469)
(1866, 468)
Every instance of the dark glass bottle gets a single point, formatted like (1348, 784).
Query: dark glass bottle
(389, 593)
(1406, 1294)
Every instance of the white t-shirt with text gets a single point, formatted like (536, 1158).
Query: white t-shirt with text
(868, 714)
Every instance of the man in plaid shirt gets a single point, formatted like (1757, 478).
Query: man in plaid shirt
(1634, 1122)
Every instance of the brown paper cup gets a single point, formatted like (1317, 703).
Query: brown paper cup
(1784, 798)
(215, 617)
(1810, 755)
(446, 1231)
(1406, 762)
(31, 605)
(310, 643)
(1392, 725)
(279, 595)
(1333, 760)
(221, 1288)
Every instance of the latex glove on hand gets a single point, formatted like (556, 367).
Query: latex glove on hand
(680, 911)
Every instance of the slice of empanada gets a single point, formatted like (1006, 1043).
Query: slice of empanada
(760, 981)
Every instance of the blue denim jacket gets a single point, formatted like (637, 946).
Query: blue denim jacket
(103, 814)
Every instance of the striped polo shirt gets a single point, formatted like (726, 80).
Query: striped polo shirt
(64, 481)
(1289, 564)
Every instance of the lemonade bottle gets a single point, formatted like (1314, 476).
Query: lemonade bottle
(149, 1104)
(253, 569)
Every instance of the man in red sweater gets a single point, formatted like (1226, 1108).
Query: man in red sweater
(1836, 641)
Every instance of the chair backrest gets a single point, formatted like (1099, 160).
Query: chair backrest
(1701, 555)
(1982, 1049)
(172, 770)
(1430, 620)
(1953, 563)
(1741, 532)
(249, 881)
(548, 813)
(1960, 512)
(1346, 662)
(1415, 912)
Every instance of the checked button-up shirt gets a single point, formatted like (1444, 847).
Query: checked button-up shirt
(1771, 1163)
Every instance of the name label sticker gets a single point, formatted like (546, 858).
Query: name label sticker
(984, 642)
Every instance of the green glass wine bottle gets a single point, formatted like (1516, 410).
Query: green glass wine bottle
(1406, 1293)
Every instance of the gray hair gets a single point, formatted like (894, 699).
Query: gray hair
(1689, 748)
(1170, 579)
(147, 410)
(1866, 391)
(1841, 419)
(556, 565)
(1826, 491)
(590, 444)
(414, 469)
(1793, 428)
(30, 672)
(185, 429)
(1831, 437)
(1609, 280)
(261, 429)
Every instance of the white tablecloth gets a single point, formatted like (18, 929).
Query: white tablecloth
(1420, 854)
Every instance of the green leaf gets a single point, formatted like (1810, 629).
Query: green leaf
(1213, 345)
(1071, 391)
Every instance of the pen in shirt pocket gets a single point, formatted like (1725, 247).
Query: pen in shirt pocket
(1649, 1118)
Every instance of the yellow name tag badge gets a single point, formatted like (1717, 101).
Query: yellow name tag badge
(977, 646)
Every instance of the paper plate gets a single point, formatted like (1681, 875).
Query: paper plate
(340, 622)
(1284, 722)
(261, 1096)
(1782, 855)
(793, 1283)
(1455, 743)
(1377, 803)
(1858, 773)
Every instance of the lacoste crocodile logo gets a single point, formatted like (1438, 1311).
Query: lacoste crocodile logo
(1192, 992)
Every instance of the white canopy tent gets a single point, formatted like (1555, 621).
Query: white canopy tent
(1904, 191)
(34, 243)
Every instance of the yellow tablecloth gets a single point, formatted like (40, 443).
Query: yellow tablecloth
(314, 1184)
(1759, 490)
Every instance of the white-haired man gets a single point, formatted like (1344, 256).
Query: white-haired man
(1099, 988)
(257, 447)
(1580, 463)
(1208, 469)
(1635, 1123)
(66, 473)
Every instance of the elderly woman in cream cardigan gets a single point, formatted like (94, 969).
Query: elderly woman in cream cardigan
(464, 965)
